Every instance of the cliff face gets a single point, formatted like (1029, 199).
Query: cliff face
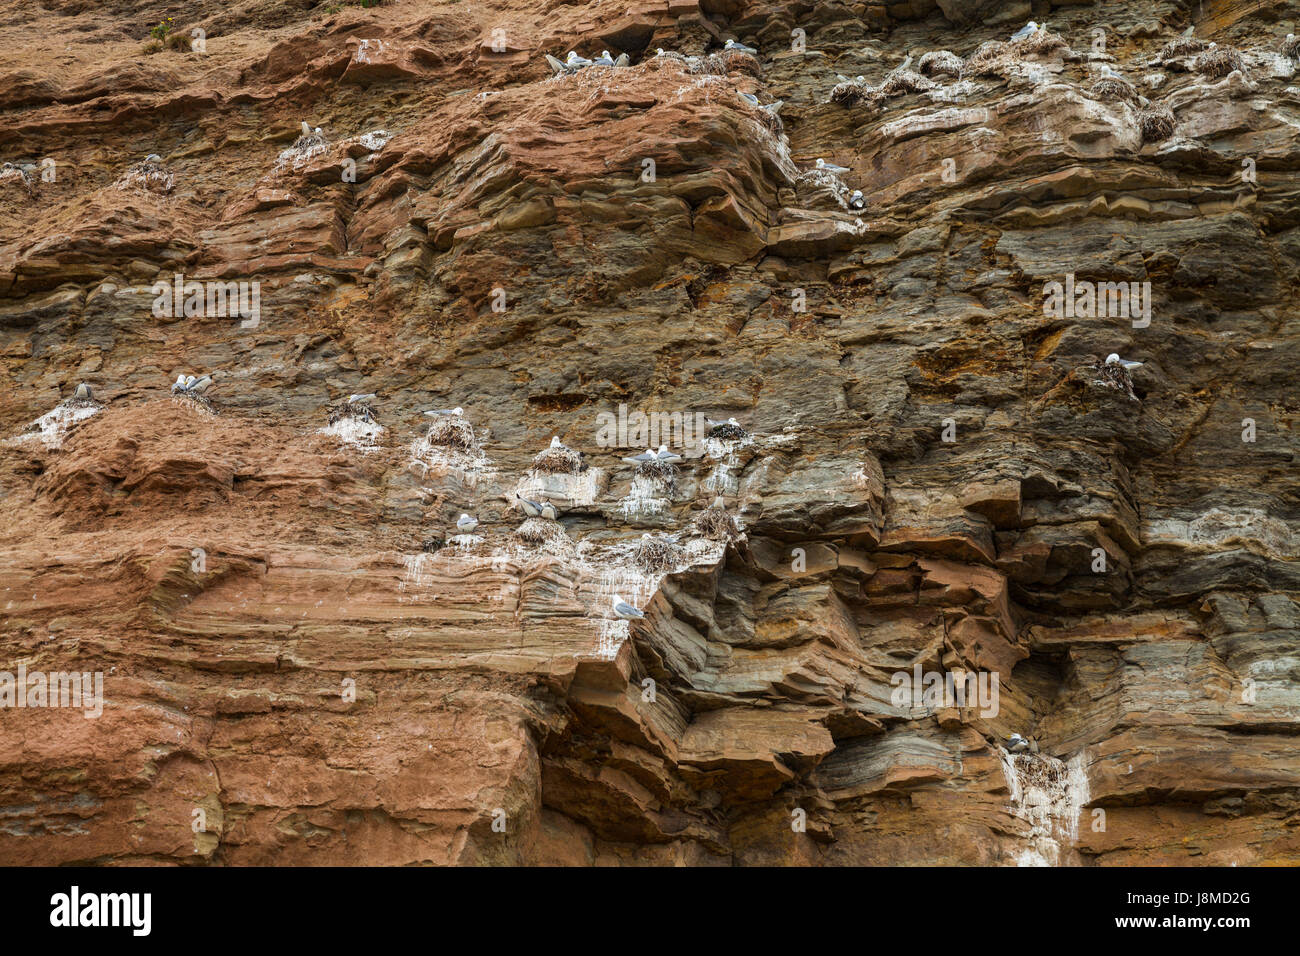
(935, 476)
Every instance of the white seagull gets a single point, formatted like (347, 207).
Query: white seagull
(575, 62)
(1017, 744)
(549, 512)
(1028, 30)
(857, 200)
(357, 397)
(1114, 359)
(667, 457)
(438, 412)
(831, 167)
(83, 392)
(531, 508)
(641, 459)
(731, 46)
(604, 59)
(624, 610)
(466, 524)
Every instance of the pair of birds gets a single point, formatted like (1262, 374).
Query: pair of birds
(663, 457)
(573, 63)
(191, 385)
(466, 523)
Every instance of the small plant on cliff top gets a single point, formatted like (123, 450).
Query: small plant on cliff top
(163, 28)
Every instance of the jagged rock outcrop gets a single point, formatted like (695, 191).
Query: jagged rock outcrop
(304, 661)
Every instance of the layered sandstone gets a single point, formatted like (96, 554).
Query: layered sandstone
(293, 644)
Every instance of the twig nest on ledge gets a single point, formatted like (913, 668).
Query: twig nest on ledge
(716, 525)
(1218, 62)
(1157, 123)
(453, 432)
(657, 555)
(558, 460)
(940, 63)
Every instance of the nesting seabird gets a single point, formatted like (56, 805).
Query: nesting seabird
(83, 393)
(199, 385)
(603, 60)
(575, 62)
(749, 98)
(557, 67)
(549, 511)
(1128, 366)
(529, 507)
(857, 200)
(1017, 744)
(719, 504)
(623, 60)
(831, 167)
(356, 397)
(456, 412)
(731, 46)
(666, 457)
(624, 610)
(466, 524)
(1025, 32)
(641, 459)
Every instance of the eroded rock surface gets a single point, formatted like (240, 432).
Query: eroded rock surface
(305, 662)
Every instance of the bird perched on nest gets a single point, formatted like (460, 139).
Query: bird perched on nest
(465, 524)
(1112, 86)
(358, 406)
(149, 174)
(1025, 32)
(731, 46)
(456, 412)
(1115, 372)
(857, 200)
(1017, 744)
(1218, 61)
(559, 458)
(624, 610)
(309, 138)
(729, 430)
(666, 457)
(647, 455)
(831, 168)
(20, 173)
(83, 397)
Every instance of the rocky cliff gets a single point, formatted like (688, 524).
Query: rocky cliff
(943, 517)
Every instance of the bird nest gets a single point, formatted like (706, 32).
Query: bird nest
(1218, 62)
(541, 533)
(1157, 123)
(855, 94)
(1291, 48)
(558, 461)
(1038, 43)
(197, 402)
(453, 432)
(716, 525)
(357, 411)
(727, 432)
(657, 555)
(1111, 88)
(661, 471)
(147, 176)
(1116, 377)
(83, 403)
(940, 63)
(902, 82)
(17, 175)
(727, 61)
(989, 59)
(1180, 47)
